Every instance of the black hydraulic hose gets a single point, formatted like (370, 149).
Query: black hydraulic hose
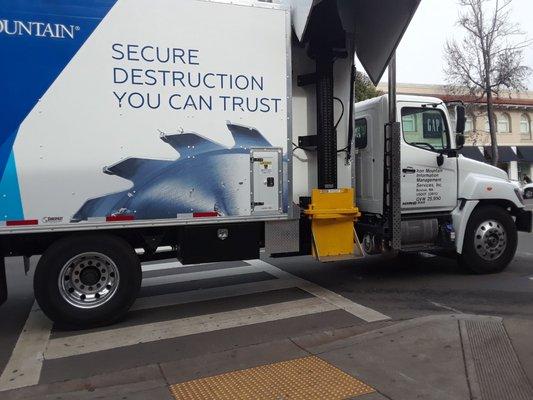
(342, 112)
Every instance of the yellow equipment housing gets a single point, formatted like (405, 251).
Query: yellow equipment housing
(333, 214)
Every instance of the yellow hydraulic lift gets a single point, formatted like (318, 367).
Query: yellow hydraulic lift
(333, 214)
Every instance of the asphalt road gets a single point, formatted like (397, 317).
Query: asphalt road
(400, 288)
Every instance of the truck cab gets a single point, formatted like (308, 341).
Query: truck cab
(447, 200)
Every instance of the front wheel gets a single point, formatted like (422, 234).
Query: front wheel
(490, 241)
(87, 281)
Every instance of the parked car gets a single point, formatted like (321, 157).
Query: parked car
(528, 191)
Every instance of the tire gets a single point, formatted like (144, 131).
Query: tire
(106, 278)
(490, 241)
(528, 193)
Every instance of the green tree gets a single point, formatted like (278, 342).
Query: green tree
(364, 88)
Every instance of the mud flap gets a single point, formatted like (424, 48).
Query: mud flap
(524, 221)
(3, 281)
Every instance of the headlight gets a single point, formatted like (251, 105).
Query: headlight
(518, 193)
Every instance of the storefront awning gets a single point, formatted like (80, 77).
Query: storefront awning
(525, 153)
(472, 152)
(506, 154)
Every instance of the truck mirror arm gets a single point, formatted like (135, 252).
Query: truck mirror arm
(440, 159)
(459, 140)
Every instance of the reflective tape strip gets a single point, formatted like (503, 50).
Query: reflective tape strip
(22, 222)
(205, 214)
(184, 215)
(115, 218)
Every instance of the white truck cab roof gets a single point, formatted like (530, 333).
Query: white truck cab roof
(400, 98)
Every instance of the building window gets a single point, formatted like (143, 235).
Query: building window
(525, 126)
(469, 124)
(409, 123)
(504, 123)
(487, 127)
(524, 170)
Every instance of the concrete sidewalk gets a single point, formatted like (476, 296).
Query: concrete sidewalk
(451, 357)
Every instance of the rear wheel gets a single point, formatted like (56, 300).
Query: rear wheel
(490, 241)
(87, 281)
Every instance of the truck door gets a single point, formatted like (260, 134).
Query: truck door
(426, 186)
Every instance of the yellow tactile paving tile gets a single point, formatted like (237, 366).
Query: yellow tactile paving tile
(308, 378)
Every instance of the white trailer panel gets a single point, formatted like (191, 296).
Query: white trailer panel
(145, 118)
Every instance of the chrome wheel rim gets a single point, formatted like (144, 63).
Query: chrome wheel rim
(88, 280)
(490, 240)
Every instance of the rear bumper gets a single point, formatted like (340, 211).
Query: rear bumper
(524, 221)
(3, 281)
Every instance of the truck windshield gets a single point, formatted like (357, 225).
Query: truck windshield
(425, 128)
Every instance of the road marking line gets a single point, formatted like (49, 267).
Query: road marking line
(195, 276)
(365, 313)
(198, 295)
(26, 361)
(132, 335)
(34, 341)
(524, 254)
(445, 307)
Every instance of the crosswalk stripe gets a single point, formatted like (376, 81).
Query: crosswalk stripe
(222, 292)
(132, 335)
(199, 275)
(34, 344)
(360, 311)
(25, 363)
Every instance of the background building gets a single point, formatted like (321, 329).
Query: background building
(513, 116)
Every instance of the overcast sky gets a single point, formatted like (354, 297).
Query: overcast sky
(420, 54)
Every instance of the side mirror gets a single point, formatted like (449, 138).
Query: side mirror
(460, 123)
(459, 141)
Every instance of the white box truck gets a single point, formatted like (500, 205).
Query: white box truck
(204, 130)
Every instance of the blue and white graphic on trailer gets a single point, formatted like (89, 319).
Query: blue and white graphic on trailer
(101, 94)
(37, 40)
(204, 165)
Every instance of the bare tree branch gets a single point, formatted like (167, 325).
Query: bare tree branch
(488, 58)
